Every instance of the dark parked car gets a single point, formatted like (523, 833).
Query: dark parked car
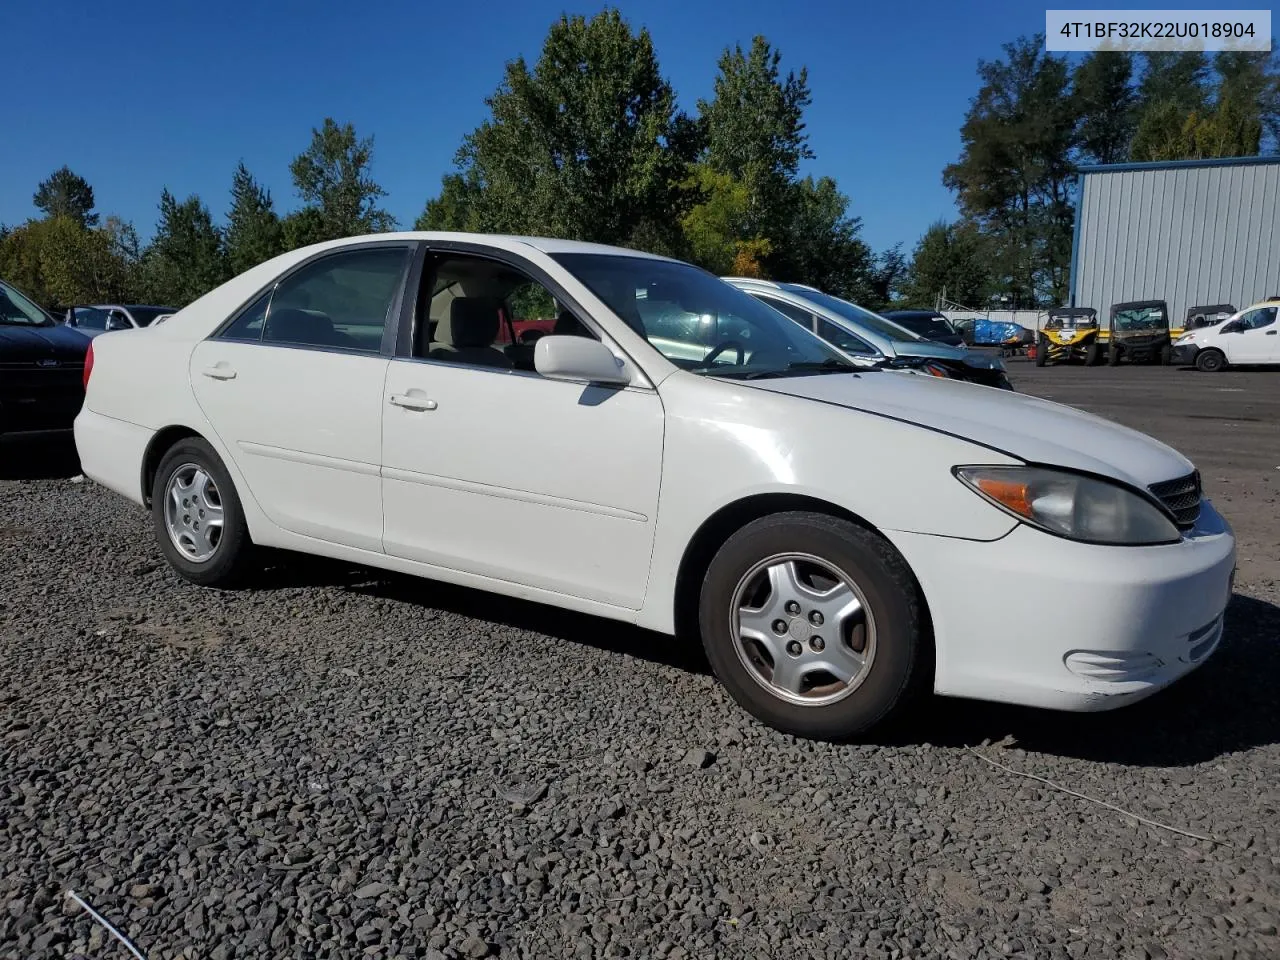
(41, 367)
(929, 324)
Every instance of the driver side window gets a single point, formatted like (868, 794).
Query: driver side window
(484, 313)
(1257, 319)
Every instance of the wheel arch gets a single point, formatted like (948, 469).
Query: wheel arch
(732, 517)
(163, 439)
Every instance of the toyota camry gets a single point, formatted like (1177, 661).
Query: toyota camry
(628, 435)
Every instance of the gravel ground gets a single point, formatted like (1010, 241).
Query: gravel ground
(346, 763)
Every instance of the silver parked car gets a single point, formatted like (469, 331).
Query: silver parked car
(106, 317)
(860, 333)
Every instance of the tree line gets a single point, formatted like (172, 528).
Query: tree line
(588, 143)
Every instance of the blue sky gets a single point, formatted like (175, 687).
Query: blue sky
(138, 95)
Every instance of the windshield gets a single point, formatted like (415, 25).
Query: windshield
(18, 310)
(90, 318)
(860, 316)
(145, 315)
(699, 322)
(1140, 318)
(928, 327)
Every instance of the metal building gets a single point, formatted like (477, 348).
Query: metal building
(1191, 233)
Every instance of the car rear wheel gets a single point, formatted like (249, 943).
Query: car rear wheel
(1210, 361)
(813, 624)
(197, 516)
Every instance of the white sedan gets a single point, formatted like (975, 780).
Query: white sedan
(492, 411)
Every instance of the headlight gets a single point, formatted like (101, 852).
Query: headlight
(1185, 338)
(1071, 505)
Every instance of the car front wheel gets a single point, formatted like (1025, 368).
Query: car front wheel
(197, 516)
(813, 624)
(1210, 361)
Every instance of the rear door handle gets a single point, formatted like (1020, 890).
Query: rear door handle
(219, 372)
(411, 402)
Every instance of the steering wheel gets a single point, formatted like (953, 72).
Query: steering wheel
(720, 348)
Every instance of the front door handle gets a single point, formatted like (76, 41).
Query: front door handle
(1271, 333)
(219, 371)
(410, 402)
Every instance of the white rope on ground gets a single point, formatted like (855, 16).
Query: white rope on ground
(1102, 803)
(110, 929)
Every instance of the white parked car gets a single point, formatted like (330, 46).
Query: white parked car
(837, 538)
(1251, 336)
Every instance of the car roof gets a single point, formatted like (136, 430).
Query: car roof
(547, 245)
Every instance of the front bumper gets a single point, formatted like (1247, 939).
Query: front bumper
(1184, 354)
(1040, 621)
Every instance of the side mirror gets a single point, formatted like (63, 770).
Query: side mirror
(117, 321)
(580, 359)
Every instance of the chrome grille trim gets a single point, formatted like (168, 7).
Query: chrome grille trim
(1181, 497)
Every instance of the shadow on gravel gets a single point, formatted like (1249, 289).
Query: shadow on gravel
(1227, 705)
(39, 457)
(297, 570)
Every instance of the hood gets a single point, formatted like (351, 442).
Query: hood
(24, 344)
(937, 350)
(1031, 429)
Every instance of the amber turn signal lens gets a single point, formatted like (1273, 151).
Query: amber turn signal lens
(1013, 494)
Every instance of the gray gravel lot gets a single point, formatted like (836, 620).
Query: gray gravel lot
(348, 763)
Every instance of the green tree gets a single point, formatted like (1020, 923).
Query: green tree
(820, 244)
(888, 276)
(58, 260)
(457, 206)
(66, 194)
(950, 261)
(186, 258)
(1227, 129)
(754, 131)
(716, 232)
(585, 144)
(1251, 80)
(254, 234)
(1178, 77)
(1105, 101)
(333, 179)
(1015, 174)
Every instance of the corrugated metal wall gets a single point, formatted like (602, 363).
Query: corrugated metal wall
(1188, 235)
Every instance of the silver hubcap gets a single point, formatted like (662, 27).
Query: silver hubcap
(193, 512)
(803, 629)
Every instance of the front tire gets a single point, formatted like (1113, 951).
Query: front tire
(197, 516)
(1042, 353)
(849, 651)
(1113, 357)
(1093, 355)
(1211, 361)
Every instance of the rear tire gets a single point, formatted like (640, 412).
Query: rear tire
(192, 487)
(1211, 361)
(786, 569)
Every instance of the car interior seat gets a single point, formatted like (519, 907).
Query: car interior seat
(467, 334)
